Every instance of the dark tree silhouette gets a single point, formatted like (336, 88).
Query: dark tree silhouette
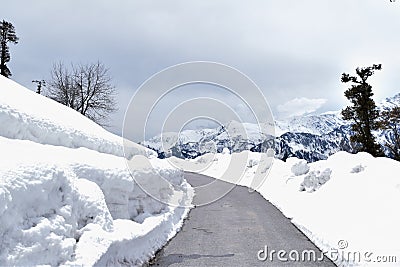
(390, 120)
(85, 88)
(363, 112)
(39, 83)
(7, 35)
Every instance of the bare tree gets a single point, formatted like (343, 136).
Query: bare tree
(85, 88)
(61, 86)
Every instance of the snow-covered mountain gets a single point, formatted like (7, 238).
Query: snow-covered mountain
(390, 102)
(312, 137)
(313, 124)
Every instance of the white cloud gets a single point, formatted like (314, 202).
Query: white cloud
(289, 48)
(300, 106)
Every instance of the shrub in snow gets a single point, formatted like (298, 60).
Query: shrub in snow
(299, 168)
(315, 179)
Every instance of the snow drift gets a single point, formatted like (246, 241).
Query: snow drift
(66, 195)
(347, 205)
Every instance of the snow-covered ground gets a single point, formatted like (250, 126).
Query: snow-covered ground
(348, 205)
(66, 194)
(67, 197)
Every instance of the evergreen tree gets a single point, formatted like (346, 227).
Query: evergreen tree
(7, 34)
(363, 112)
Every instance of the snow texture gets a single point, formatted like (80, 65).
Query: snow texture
(26, 115)
(66, 195)
(347, 199)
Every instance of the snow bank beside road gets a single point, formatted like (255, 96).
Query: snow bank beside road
(66, 195)
(60, 205)
(347, 205)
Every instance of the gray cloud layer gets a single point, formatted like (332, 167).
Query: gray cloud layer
(291, 49)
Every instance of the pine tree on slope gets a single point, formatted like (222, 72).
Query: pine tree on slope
(7, 34)
(363, 112)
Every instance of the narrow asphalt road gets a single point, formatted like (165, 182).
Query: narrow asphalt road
(232, 231)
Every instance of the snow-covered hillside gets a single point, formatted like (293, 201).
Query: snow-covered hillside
(347, 205)
(311, 137)
(28, 116)
(66, 195)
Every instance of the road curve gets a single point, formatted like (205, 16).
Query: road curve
(233, 230)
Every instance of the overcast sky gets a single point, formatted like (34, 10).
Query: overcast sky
(295, 51)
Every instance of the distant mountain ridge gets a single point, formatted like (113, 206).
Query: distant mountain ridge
(311, 137)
